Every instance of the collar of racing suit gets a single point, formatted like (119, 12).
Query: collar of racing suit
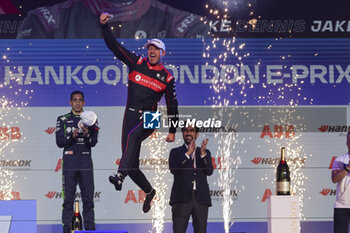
(73, 114)
(154, 67)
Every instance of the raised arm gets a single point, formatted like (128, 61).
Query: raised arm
(124, 55)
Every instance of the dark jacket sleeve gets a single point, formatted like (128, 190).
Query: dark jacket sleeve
(62, 138)
(124, 55)
(33, 28)
(188, 25)
(198, 30)
(206, 164)
(171, 104)
(92, 138)
(178, 161)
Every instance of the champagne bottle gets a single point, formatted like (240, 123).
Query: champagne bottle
(283, 176)
(77, 224)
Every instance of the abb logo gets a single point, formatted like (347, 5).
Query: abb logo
(329, 192)
(217, 162)
(278, 131)
(10, 133)
(267, 194)
(13, 195)
(50, 130)
(59, 165)
(117, 162)
(131, 196)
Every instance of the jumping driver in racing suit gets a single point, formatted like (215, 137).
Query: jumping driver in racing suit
(77, 162)
(129, 19)
(148, 82)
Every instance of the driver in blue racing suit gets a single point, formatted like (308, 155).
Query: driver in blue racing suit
(77, 162)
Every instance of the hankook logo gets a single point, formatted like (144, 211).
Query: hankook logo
(149, 162)
(218, 194)
(261, 160)
(59, 195)
(334, 128)
(328, 192)
(50, 130)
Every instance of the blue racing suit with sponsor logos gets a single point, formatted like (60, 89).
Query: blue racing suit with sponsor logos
(77, 168)
(146, 86)
(130, 19)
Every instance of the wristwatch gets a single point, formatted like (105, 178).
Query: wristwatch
(345, 167)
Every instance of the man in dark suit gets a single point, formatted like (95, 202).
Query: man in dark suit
(190, 195)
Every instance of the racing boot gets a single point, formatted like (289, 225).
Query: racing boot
(149, 197)
(117, 181)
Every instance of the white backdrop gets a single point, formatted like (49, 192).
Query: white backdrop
(36, 174)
